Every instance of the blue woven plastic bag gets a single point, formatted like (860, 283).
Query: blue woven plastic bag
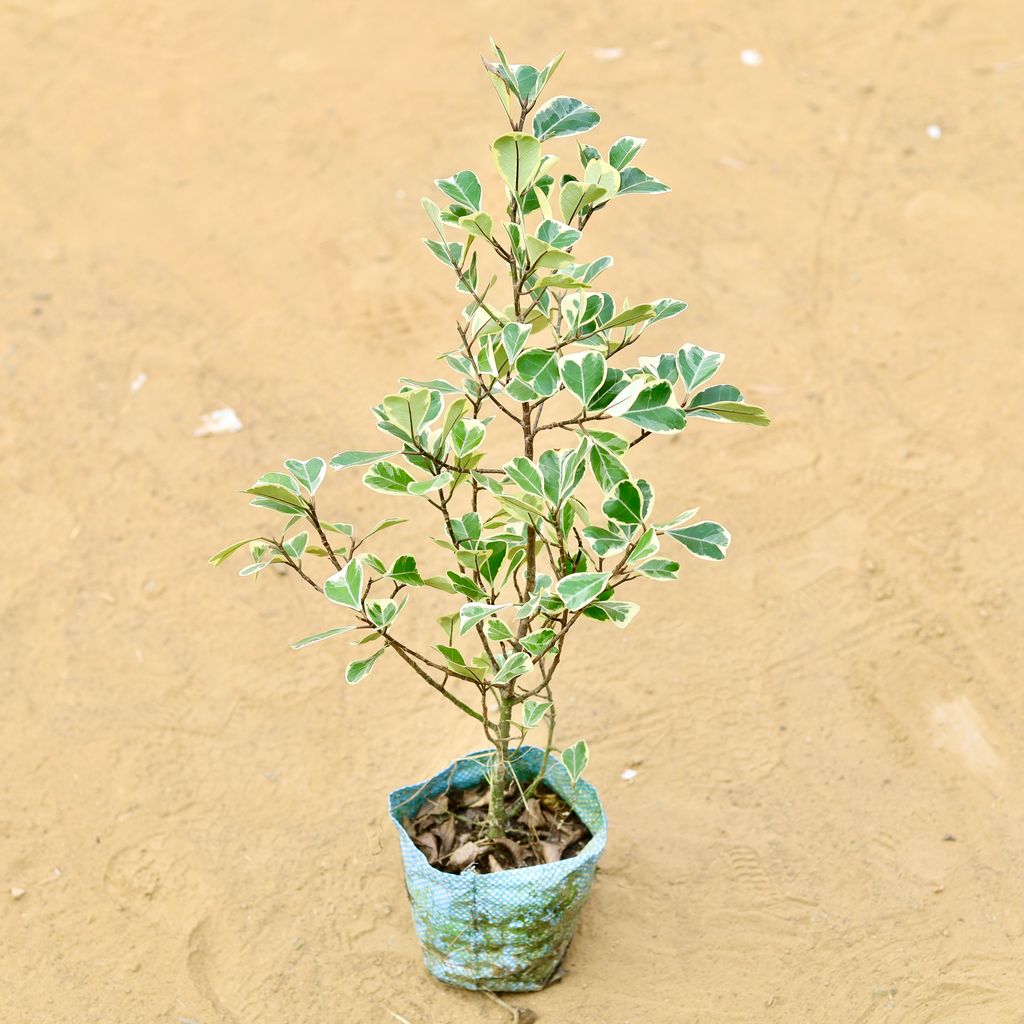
(506, 931)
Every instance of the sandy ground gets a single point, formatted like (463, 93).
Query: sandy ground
(828, 813)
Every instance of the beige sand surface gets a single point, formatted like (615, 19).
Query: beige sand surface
(224, 197)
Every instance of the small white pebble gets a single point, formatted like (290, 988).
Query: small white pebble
(16, 892)
(628, 774)
(934, 131)
(136, 384)
(399, 193)
(220, 421)
(56, 873)
(752, 58)
(609, 53)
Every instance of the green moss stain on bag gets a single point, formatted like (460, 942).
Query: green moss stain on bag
(507, 931)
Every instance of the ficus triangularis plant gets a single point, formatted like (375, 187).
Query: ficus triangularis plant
(555, 529)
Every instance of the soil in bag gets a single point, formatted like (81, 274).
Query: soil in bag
(451, 831)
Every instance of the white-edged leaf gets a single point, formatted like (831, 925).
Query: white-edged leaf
(346, 587)
(583, 374)
(476, 611)
(317, 637)
(534, 712)
(564, 115)
(295, 546)
(575, 759)
(579, 589)
(252, 570)
(705, 540)
(697, 365)
(462, 188)
(514, 666)
(624, 150)
(357, 671)
(225, 553)
(517, 157)
(345, 460)
(309, 473)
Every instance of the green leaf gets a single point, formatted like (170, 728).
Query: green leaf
(705, 540)
(317, 637)
(534, 712)
(517, 157)
(583, 374)
(345, 460)
(346, 587)
(625, 505)
(696, 365)
(564, 115)
(388, 478)
(225, 553)
(463, 188)
(404, 571)
(512, 667)
(357, 671)
(579, 589)
(636, 182)
(624, 150)
(576, 759)
(474, 612)
(737, 412)
(309, 473)
(296, 546)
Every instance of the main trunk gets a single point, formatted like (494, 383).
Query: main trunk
(499, 772)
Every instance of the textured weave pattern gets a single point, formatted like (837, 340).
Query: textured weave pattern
(508, 931)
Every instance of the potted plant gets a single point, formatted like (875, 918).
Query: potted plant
(500, 848)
